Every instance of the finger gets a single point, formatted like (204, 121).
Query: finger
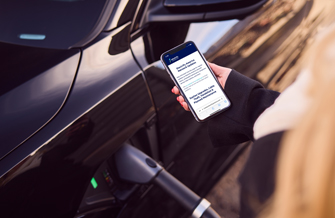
(175, 90)
(185, 106)
(222, 73)
(183, 103)
(216, 69)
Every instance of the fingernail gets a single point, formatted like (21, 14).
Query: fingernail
(178, 98)
(172, 90)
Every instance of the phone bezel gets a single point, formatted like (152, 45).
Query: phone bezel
(179, 48)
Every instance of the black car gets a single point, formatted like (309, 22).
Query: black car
(82, 87)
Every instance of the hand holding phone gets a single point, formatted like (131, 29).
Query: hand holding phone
(195, 80)
(221, 74)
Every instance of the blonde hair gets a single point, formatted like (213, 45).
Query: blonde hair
(305, 182)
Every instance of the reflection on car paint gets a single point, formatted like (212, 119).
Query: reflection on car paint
(31, 105)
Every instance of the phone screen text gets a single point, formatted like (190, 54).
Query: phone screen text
(196, 81)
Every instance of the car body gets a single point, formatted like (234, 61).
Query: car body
(68, 104)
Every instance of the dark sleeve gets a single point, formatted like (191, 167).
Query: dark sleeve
(257, 179)
(248, 100)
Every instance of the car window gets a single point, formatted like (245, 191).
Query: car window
(49, 23)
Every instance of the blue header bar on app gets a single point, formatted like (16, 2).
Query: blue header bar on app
(171, 58)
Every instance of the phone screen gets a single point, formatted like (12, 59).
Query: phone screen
(195, 80)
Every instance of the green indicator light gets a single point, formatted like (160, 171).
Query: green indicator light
(94, 183)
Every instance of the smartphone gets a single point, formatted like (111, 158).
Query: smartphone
(196, 81)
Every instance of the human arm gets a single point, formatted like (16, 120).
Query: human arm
(248, 100)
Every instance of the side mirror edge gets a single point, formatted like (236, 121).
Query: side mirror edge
(156, 12)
